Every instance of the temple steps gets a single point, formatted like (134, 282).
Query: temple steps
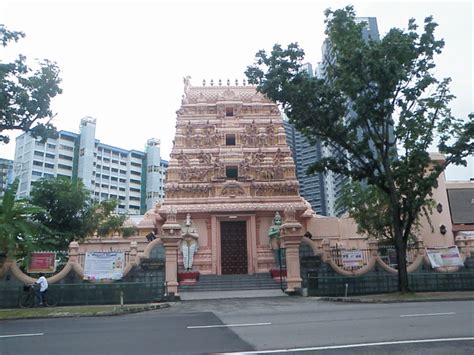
(206, 283)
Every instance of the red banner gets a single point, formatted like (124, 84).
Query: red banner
(42, 262)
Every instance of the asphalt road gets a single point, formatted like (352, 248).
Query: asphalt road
(288, 325)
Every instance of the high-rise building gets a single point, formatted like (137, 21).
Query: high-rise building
(304, 155)
(333, 183)
(108, 172)
(6, 174)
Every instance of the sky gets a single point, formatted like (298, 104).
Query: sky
(123, 62)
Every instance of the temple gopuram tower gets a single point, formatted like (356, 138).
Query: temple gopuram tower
(229, 172)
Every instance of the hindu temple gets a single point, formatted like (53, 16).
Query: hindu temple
(230, 174)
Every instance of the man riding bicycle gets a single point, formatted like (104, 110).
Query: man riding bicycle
(43, 287)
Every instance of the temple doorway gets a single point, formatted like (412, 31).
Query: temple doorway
(234, 248)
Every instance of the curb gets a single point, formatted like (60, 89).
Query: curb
(358, 300)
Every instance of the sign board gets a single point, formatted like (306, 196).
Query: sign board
(352, 258)
(42, 262)
(104, 266)
(446, 256)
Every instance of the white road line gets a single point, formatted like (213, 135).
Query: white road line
(427, 314)
(348, 346)
(227, 325)
(21, 335)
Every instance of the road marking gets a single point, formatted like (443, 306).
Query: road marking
(427, 314)
(21, 335)
(227, 325)
(348, 346)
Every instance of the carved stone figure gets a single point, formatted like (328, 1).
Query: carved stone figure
(183, 159)
(219, 169)
(189, 245)
(205, 158)
(258, 157)
(279, 157)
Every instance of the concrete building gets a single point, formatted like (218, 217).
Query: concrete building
(108, 172)
(6, 174)
(304, 154)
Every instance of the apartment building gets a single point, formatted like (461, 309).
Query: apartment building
(6, 174)
(134, 178)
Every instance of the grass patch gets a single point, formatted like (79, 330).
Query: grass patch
(81, 311)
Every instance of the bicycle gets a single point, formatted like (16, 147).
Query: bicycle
(28, 298)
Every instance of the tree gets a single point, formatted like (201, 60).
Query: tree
(25, 93)
(70, 213)
(380, 108)
(17, 226)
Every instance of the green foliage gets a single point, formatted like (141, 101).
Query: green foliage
(128, 231)
(379, 109)
(370, 207)
(17, 226)
(26, 93)
(111, 225)
(70, 213)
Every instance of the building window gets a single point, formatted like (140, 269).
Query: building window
(65, 157)
(65, 167)
(231, 172)
(229, 111)
(230, 139)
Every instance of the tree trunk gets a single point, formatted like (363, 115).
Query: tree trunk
(401, 249)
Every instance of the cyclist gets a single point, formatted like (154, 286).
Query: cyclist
(43, 287)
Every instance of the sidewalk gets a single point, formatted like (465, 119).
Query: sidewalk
(410, 297)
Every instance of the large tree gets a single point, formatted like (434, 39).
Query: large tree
(26, 92)
(380, 108)
(17, 226)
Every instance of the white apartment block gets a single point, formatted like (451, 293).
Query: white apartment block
(134, 178)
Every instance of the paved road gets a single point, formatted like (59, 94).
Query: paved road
(240, 325)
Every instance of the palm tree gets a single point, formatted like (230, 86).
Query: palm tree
(17, 227)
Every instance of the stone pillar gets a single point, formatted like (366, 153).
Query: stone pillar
(171, 239)
(73, 252)
(291, 232)
(133, 252)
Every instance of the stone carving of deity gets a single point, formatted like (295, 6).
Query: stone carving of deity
(258, 157)
(188, 130)
(219, 169)
(183, 159)
(279, 157)
(189, 245)
(275, 239)
(244, 167)
(205, 158)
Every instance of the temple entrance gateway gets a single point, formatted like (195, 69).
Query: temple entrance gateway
(234, 248)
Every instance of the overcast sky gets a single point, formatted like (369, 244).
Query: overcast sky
(123, 62)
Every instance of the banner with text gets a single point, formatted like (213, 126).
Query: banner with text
(104, 266)
(447, 256)
(352, 258)
(42, 262)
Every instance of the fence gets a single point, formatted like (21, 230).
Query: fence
(372, 284)
(92, 294)
(386, 253)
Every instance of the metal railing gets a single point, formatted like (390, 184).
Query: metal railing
(373, 284)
